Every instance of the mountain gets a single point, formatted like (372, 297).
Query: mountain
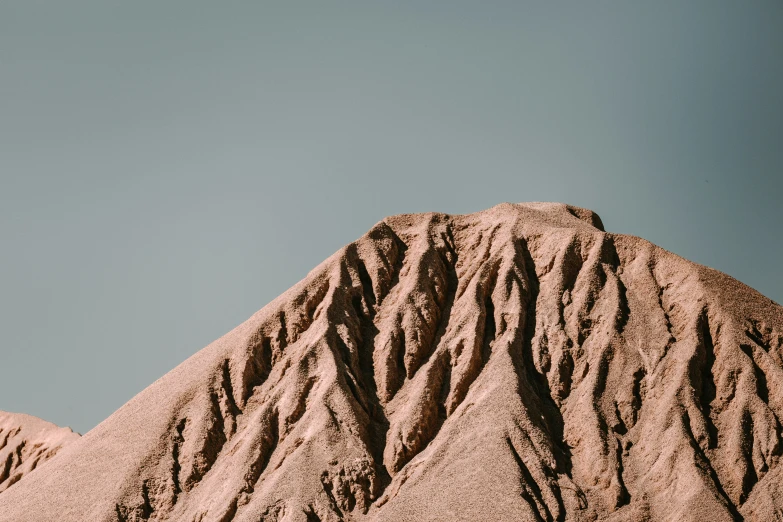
(26, 442)
(514, 364)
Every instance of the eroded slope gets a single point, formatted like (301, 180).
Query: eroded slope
(26, 442)
(514, 364)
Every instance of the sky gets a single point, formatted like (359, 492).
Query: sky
(168, 168)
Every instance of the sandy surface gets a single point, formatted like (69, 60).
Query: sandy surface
(26, 443)
(514, 364)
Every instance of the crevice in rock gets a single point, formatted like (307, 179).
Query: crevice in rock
(414, 433)
(443, 392)
(350, 382)
(179, 439)
(396, 268)
(669, 328)
(530, 487)
(4, 440)
(282, 332)
(707, 376)
(471, 355)
(200, 455)
(265, 349)
(311, 515)
(412, 314)
(379, 424)
(6, 471)
(489, 329)
(258, 366)
(624, 498)
(231, 511)
(268, 441)
(750, 477)
(367, 287)
(301, 405)
(146, 505)
(637, 393)
(707, 465)
(448, 259)
(399, 360)
(231, 408)
(762, 389)
(753, 332)
(528, 377)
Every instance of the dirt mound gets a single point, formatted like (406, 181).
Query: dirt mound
(26, 442)
(514, 364)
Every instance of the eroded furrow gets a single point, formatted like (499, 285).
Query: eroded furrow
(530, 489)
(409, 320)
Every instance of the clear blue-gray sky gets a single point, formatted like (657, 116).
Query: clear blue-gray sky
(168, 168)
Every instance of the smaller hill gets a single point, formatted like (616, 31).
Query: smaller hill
(26, 442)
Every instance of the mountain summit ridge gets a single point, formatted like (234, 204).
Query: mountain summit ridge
(516, 363)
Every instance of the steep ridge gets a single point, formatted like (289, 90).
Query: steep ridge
(515, 364)
(26, 442)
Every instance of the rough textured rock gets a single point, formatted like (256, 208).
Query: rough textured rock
(27, 442)
(515, 364)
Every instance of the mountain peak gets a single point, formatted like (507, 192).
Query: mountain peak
(515, 363)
